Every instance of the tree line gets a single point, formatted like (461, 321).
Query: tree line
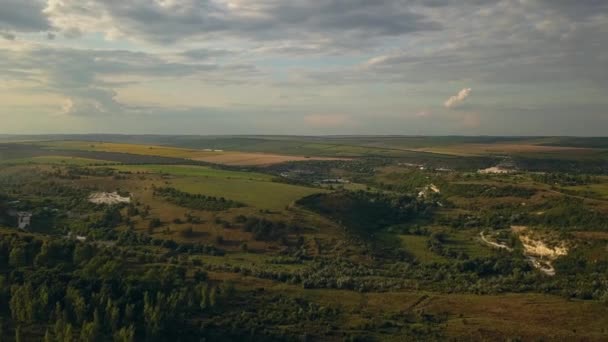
(196, 201)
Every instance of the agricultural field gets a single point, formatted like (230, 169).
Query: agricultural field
(372, 241)
(204, 155)
(55, 160)
(255, 189)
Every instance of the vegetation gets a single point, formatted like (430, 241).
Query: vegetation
(199, 202)
(365, 213)
(387, 244)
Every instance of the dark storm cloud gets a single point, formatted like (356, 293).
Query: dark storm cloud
(174, 21)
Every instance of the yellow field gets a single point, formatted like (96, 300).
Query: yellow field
(216, 156)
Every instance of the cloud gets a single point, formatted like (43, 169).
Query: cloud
(355, 56)
(90, 79)
(456, 100)
(169, 22)
(8, 35)
(23, 16)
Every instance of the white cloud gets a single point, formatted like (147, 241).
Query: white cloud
(459, 98)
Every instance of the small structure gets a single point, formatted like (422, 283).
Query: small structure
(24, 219)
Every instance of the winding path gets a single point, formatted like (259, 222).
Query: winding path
(494, 244)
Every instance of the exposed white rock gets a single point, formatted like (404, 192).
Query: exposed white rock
(108, 198)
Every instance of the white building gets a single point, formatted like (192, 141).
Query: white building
(24, 219)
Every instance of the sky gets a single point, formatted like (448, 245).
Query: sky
(306, 67)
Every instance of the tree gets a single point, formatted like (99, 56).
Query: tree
(82, 253)
(18, 257)
(90, 332)
(47, 336)
(76, 303)
(22, 303)
(154, 223)
(62, 331)
(212, 297)
(18, 337)
(204, 293)
(43, 258)
(125, 334)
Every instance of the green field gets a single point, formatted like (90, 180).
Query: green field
(596, 190)
(254, 189)
(259, 194)
(194, 171)
(417, 246)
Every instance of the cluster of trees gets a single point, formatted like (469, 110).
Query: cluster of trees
(570, 213)
(564, 179)
(78, 291)
(436, 244)
(196, 201)
(40, 192)
(472, 190)
(365, 213)
(405, 181)
(313, 172)
(131, 238)
(76, 172)
(5, 218)
(566, 165)
(265, 230)
(490, 275)
(566, 214)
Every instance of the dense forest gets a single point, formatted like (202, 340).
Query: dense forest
(366, 213)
